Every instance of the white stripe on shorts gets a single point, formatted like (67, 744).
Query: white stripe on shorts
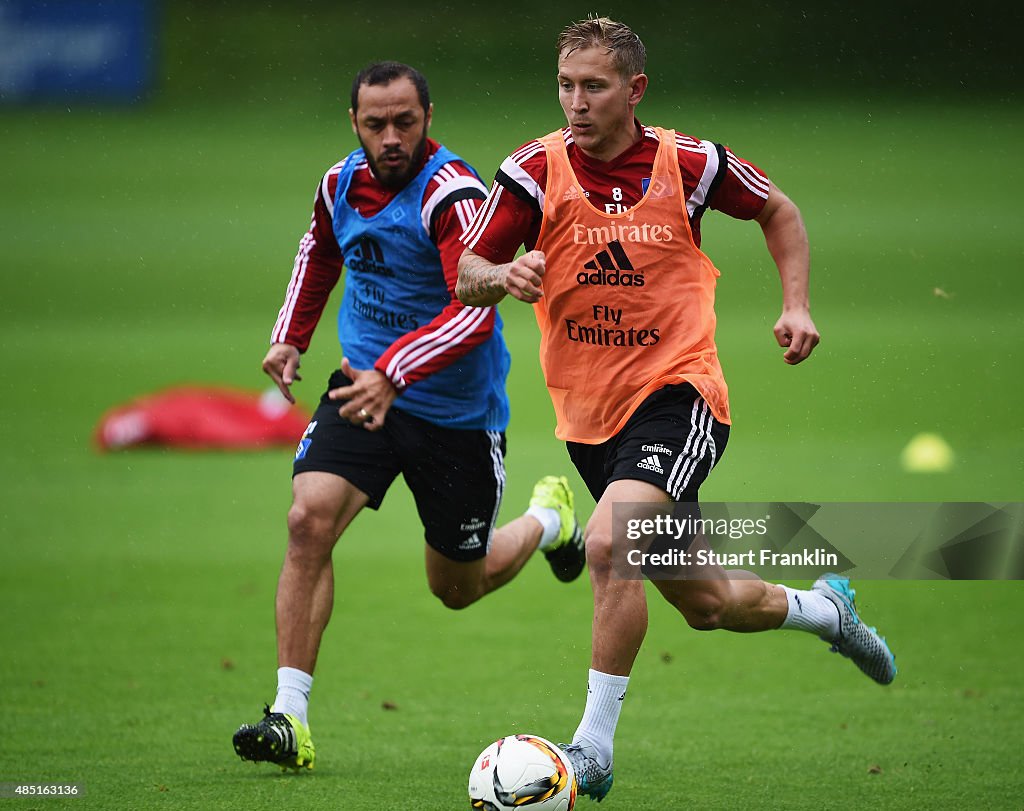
(498, 463)
(694, 450)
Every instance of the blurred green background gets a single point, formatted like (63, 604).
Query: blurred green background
(150, 245)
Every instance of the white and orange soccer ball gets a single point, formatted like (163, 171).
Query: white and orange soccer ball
(522, 771)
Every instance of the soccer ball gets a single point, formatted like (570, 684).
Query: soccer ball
(522, 771)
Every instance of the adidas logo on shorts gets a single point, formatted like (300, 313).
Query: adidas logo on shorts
(652, 462)
(472, 542)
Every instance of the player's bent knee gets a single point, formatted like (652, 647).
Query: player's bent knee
(455, 597)
(703, 611)
(706, 621)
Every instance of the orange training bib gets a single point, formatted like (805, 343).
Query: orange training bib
(628, 304)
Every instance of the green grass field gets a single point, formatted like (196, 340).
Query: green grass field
(146, 248)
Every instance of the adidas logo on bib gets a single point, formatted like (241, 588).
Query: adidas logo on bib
(611, 267)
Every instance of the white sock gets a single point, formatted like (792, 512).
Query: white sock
(812, 612)
(550, 524)
(604, 703)
(293, 687)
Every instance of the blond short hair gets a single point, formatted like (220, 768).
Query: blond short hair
(628, 53)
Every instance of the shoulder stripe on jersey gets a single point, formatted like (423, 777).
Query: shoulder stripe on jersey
(325, 194)
(284, 317)
(522, 155)
(465, 210)
(483, 217)
(430, 345)
(459, 196)
(450, 182)
(748, 171)
(698, 200)
(521, 183)
(754, 189)
(518, 190)
(690, 145)
(753, 180)
(526, 150)
(716, 157)
(325, 185)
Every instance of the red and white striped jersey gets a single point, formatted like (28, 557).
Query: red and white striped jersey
(449, 203)
(511, 216)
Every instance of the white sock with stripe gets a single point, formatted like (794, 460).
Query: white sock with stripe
(605, 693)
(550, 523)
(812, 612)
(293, 688)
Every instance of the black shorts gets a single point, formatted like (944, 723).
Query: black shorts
(456, 476)
(672, 441)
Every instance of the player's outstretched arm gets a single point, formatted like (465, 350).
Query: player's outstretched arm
(786, 237)
(483, 283)
(282, 364)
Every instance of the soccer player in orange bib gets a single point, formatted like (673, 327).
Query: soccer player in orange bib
(609, 212)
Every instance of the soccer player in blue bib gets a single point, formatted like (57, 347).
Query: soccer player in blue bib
(420, 391)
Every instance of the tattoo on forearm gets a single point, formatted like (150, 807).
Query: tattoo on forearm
(479, 279)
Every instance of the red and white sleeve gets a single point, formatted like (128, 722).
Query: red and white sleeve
(450, 202)
(510, 216)
(744, 189)
(315, 272)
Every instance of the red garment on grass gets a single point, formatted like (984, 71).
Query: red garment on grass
(202, 417)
